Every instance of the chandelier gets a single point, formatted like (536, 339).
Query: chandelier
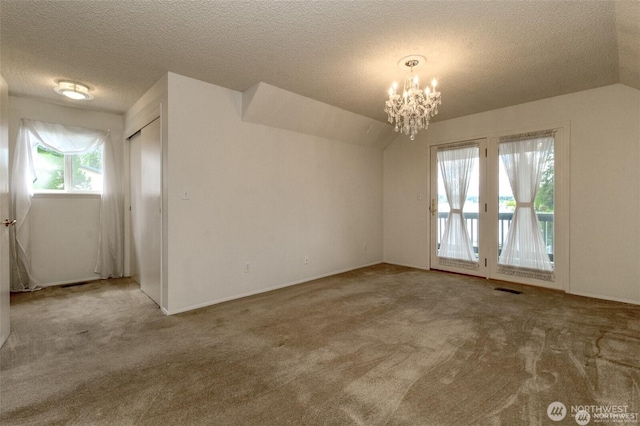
(412, 109)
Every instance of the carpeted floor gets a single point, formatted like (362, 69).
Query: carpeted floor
(383, 345)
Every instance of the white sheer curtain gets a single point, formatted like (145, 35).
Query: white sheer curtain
(456, 166)
(524, 162)
(64, 140)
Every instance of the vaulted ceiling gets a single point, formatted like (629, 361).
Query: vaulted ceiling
(485, 55)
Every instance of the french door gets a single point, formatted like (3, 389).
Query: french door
(457, 215)
(495, 207)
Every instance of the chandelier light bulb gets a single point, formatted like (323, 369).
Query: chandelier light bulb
(394, 85)
(391, 91)
(434, 83)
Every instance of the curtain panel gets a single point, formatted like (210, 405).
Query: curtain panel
(524, 158)
(68, 140)
(456, 166)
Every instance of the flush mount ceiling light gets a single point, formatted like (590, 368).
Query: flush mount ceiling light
(412, 110)
(73, 90)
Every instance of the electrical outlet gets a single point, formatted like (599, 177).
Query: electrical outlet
(306, 260)
(247, 267)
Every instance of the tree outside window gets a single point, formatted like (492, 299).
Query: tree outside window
(68, 173)
(544, 201)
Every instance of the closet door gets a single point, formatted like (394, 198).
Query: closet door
(146, 209)
(457, 209)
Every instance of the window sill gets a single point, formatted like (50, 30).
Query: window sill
(66, 195)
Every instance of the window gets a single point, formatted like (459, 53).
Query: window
(79, 173)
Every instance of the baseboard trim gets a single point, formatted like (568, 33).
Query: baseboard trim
(3, 339)
(575, 293)
(599, 296)
(74, 281)
(263, 290)
(406, 265)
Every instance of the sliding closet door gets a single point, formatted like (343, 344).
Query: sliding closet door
(457, 207)
(146, 209)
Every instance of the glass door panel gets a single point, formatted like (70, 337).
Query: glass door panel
(526, 202)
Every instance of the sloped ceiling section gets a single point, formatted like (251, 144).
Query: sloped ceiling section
(628, 32)
(270, 106)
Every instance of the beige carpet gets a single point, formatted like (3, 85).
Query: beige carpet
(383, 345)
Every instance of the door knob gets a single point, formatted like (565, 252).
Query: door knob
(9, 222)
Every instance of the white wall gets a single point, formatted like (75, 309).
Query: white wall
(64, 228)
(261, 195)
(406, 197)
(604, 180)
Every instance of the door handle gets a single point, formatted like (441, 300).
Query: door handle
(9, 222)
(433, 209)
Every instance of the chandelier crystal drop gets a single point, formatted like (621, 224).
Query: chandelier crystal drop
(412, 109)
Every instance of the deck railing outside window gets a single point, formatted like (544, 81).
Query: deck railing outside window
(471, 219)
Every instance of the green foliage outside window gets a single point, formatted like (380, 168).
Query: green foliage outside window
(50, 170)
(544, 201)
(79, 166)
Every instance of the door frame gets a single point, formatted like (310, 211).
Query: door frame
(5, 230)
(147, 118)
(452, 266)
(561, 208)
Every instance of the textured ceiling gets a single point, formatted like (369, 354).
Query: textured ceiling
(485, 55)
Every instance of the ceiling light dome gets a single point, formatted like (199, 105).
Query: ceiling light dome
(73, 90)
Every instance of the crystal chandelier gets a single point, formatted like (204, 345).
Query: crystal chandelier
(413, 109)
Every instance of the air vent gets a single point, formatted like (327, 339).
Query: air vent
(508, 290)
(73, 284)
